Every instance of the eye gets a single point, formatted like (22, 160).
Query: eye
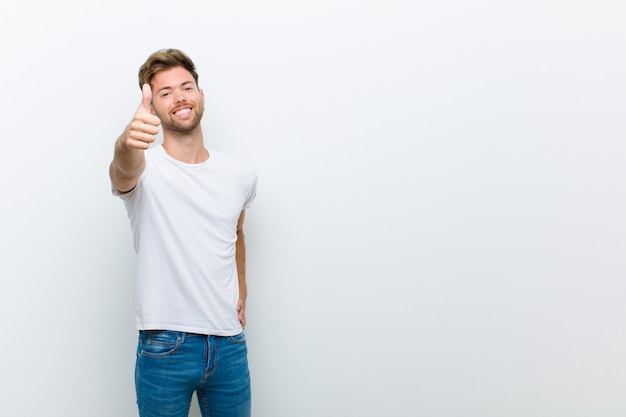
(165, 94)
(188, 88)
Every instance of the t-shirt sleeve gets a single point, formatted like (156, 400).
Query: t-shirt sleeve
(251, 191)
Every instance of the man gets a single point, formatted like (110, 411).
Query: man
(186, 206)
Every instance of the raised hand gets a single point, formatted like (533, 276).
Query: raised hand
(128, 159)
(142, 130)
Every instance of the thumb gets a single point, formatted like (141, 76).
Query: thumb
(146, 98)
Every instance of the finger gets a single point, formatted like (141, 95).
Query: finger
(146, 98)
(147, 123)
(141, 136)
(138, 144)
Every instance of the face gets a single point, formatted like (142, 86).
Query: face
(176, 100)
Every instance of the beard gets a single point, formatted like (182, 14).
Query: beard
(169, 122)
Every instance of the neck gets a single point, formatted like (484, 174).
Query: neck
(186, 147)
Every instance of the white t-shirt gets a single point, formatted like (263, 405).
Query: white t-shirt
(184, 221)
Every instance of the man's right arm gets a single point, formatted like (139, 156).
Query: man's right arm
(128, 158)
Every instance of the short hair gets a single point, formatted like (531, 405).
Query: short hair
(162, 60)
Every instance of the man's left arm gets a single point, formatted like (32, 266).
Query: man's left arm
(240, 258)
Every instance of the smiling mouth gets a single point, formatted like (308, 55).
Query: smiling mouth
(182, 112)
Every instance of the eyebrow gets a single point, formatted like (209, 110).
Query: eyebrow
(167, 87)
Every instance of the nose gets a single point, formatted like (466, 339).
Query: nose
(180, 98)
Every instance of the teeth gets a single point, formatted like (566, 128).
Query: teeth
(182, 111)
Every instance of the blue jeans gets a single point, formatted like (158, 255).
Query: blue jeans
(171, 366)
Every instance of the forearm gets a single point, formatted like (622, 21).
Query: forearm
(128, 161)
(240, 257)
(127, 165)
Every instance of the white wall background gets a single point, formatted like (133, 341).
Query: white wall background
(440, 226)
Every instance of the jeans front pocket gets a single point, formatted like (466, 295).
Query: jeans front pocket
(239, 338)
(159, 343)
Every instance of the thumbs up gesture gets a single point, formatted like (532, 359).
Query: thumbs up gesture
(142, 130)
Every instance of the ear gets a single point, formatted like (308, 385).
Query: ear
(202, 94)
